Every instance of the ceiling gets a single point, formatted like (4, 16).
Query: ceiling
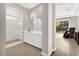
(62, 9)
(29, 5)
(67, 9)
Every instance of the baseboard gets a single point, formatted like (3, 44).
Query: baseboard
(45, 54)
(13, 44)
(50, 52)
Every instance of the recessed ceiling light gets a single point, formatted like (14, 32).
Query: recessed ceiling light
(67, 9)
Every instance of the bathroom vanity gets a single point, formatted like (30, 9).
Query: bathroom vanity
(33, 38)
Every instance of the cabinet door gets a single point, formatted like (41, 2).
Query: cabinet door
(33, 39)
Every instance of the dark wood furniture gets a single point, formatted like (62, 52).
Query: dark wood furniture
(77, 37)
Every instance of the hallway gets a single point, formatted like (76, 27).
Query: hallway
(66, 47)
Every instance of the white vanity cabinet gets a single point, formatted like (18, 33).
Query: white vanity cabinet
(33, 38)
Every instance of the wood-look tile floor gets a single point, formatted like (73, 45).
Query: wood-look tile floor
(66, 47)
(23, 49)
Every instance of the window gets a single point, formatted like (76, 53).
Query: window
(62, 25)
(14, 23)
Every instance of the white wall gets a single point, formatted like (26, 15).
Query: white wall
(2, 28)
(14, 22)
(73, 22)
(78, 23)
(48, 29)
(44, 29)
(52, 43)
(54, 40)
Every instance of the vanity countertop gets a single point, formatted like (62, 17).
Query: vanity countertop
(33, 32)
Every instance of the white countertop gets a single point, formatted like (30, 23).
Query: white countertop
(33, 32)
